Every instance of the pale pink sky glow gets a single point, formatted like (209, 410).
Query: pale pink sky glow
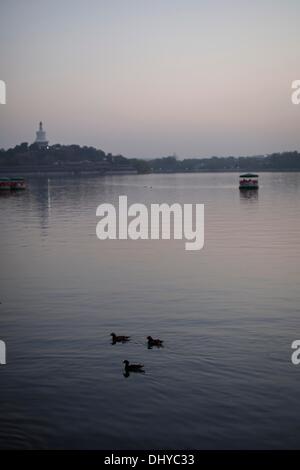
(147, 79)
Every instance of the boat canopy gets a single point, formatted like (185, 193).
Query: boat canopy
(249, 175)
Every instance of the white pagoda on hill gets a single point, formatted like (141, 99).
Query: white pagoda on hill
(41, 139)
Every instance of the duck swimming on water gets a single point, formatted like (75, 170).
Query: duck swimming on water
(119, 339)
(154, 342)
(133, 367)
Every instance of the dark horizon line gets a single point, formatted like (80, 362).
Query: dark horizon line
(174, 155)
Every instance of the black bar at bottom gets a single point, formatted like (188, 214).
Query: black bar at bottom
(162, 458)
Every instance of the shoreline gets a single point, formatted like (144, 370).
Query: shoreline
(84, 172)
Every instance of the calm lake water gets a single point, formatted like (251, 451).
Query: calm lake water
(228, 315)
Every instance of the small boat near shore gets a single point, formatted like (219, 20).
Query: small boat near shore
(9, 184)
(4, 184)
(17, 183)
(248, 181)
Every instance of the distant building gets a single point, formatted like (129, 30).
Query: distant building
(41, 139)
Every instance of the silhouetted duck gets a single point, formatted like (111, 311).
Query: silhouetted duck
(154, 342)
(119, 339)
(133, 367)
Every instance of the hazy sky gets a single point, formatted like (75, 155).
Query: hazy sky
(152, 77)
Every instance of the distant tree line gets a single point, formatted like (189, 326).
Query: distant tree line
(286, 161)
(32, 155)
